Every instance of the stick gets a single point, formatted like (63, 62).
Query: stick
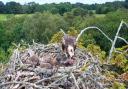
(46, 79)
(56, 81)
(75, 80)
(26, 83)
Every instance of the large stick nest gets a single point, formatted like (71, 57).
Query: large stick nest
(23, 72)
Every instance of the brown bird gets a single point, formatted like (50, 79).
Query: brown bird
(68, 47)
(64, 58)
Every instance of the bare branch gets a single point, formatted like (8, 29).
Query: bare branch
(125, 24)
(62, 31)
(79, 35)
(123, 39)
(115, 39)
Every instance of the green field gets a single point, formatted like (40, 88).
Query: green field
(3, 17)
(99, 15)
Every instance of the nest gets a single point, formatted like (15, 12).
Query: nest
(85, 73)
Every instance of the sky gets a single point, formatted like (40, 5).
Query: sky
(58, 1)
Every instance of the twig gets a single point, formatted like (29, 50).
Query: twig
(75, 80)
(49, 78)
(56, 81)
(15, 82)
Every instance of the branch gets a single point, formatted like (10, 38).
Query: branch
(125, 24)
(62, 31)
(115, 39)
(123, 39)
(75, 80)
(49, 78)
(25, 83)
(56, 81)
(92, 28)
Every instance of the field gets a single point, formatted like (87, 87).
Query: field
(99, 15)
(3, 17)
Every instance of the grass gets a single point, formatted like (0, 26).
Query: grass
(3, 17)
(99, 15)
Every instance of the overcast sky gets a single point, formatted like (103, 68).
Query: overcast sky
(58, 1)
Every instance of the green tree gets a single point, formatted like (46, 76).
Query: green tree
(31, 7)
(126, 4)
(69, 18)
(64, 7)
(79, 12)
(13, 8)
(41, 27)
(2, 7)
(13, 30)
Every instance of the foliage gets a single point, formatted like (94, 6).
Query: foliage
(126, 4)
(3, 56)
(109, 25)
(79, 12)
(117, 85)
(56, 38)
(120, 59)
(61, 8)
(41, 26)
(95, 50)
(13, 7)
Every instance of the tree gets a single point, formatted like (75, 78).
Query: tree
(103, 10)
(2, 7)
(13, 8)
(64, 7)
(69, 17)
(54, 10)
(79, 12)
(41, 27)
(126, 4)
(31, 7)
